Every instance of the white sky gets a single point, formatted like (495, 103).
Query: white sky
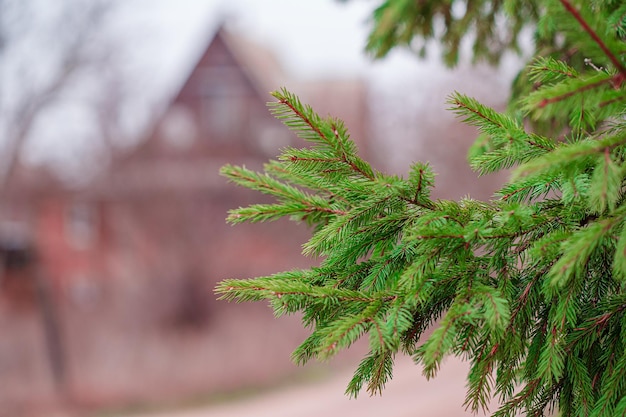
(311, 38)
(322, 38)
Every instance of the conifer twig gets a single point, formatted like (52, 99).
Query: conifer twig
(529, 286)
(316, 129)
(620, 67)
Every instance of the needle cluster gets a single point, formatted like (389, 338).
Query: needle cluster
(529, 288)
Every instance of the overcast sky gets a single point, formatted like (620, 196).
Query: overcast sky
(312, 39)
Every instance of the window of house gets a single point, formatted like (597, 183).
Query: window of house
(178, 128)
(84, 290)
(81, 225)
(222, 116)
(272, 137)
(223, 102)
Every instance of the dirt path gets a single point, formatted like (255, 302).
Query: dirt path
(407, 395)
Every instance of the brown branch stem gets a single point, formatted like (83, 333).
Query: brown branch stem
(576, 14)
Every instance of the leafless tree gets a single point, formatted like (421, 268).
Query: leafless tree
(59, 79)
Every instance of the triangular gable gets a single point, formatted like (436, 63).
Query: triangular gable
(225, 49)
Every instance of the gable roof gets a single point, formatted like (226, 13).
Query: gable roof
(261, 71)
(260, 66)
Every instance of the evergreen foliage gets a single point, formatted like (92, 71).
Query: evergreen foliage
(529, 288)
(412, 24)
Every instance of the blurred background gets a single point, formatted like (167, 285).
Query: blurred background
(115, 117)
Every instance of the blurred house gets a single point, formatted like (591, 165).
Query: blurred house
(171, 179)
(143, 246)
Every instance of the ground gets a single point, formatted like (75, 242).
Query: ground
(409, 394)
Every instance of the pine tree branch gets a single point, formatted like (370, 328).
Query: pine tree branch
(237, 289)
(338, 338)
(471, 106)
(415, 202)
(528, 287)
(524, 395)
(544, 68)
(293, 158)
(316, 129)
(522, 189)
(586, 87)
(619, 79)
(379, 334)
(312, 209)
(609, 102)
(523, 298)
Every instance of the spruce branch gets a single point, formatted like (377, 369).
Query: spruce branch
(577, 88)
(619, 79)
(528, 287)
(309, 126)
(549, 70)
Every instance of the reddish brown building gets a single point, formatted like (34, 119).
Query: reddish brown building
(143, 246)
(161, 206)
